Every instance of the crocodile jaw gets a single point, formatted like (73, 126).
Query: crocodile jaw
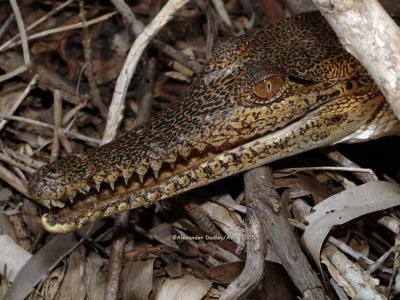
(323, 127)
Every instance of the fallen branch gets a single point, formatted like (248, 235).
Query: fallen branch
(280, 234)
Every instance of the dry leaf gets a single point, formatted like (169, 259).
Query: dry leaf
(12, 257)
(73, 285)
(225, 273)
(95, 276)
(184, 288)
(137, 279)
(225, 219)
(345, 206)
(6, 227)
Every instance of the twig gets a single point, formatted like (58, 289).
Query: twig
(22, 32)
(136, 26)
(87, 50)
(178, 56)
(13, 162)
(345, 162)
(24, 41)
(221, 11)
(48, 126)
(368, 32)
(5, 25)
(48, 80)
(328, 168)
(356, 255)
(13, 181)
(57, 107)
(79, 25)
(375, 266)
(21, 157)
(13, 73)
(35, 24)
(21, 98)
(118, 101)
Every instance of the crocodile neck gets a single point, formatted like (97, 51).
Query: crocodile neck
(275, 92)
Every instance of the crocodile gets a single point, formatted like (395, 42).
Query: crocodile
(271, 93)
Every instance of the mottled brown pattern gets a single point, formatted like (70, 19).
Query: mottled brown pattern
(316, 95)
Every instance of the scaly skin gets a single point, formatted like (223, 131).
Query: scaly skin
(272, 93)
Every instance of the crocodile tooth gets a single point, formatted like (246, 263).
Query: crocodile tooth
(156, 166)
(185, 152)
(217, 144)
(110, 179)
(82, 191)
(87, 189)
(98, 179)
(71, 196)
(141, 171)
(112, 186)
(126, 174)
(200, 146)
(170, 160)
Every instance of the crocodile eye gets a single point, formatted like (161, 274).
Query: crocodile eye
(269, 88)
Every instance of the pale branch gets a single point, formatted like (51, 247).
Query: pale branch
(370, 34)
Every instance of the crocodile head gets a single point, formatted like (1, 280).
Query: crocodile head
(252, 87)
